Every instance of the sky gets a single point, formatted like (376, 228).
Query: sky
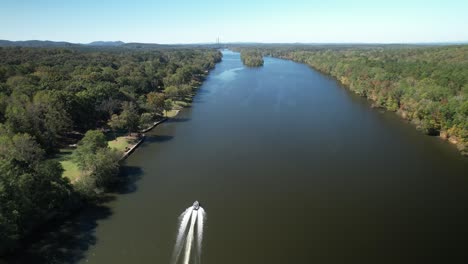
(202, 21)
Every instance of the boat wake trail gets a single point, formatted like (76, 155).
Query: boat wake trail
(201, 218)
(190, 236)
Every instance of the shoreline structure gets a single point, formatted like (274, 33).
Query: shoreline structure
(127, 153)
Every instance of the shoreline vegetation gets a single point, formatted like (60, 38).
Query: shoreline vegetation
(251, 58)
(69, 116)
(427, 86)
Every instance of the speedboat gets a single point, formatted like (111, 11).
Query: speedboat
(196, 205)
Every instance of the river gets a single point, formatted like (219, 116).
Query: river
(290, 168)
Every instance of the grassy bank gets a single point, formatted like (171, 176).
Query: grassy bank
(121, 143)
(71, 170)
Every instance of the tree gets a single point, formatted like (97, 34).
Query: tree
(32, 189)
(88, 147)
(155, 102)
(99, 163)
(185, 90)
(109, 106)
(128, 119)
(106, 167)
(172, 92)
(116, 122)
(251, 58)
(44, 117)
(146, 119)
(168, 104)
(131, 116)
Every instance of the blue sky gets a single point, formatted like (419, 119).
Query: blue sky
(196, 21)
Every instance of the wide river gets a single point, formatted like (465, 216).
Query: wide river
(290, 168)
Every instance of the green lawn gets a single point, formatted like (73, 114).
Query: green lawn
(172, 113)
(71, 170)
(120, 143)
(181, 104)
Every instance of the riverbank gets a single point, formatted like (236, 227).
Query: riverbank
(444, 135)
(450, 135)
(125, 143)
(141, 139)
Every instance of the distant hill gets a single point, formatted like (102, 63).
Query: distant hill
(106, 43)
(94, 44)
(36, 43)
(148, 46)
(135, 45)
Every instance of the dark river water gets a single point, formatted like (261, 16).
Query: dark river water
(290, 168)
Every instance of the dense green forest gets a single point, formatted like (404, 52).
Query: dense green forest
(425, 85)
(52, 97)
(251, 58)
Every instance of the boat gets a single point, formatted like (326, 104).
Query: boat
(196, 205)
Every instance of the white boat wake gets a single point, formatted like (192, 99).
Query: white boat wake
(188, 246)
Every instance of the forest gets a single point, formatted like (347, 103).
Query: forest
(251, 58)
(426, 85)
(54, 98)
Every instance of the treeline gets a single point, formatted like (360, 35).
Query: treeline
(49, 95)
(251, 58)
(425, 85)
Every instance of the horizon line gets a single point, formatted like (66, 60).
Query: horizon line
(244, 42)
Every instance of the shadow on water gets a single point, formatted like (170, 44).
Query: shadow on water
(199, 98)
(67, 241)
(158, 138)
(64, 241)
(202, 92)
(199, 101)
(130, 175)
(179, 120)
